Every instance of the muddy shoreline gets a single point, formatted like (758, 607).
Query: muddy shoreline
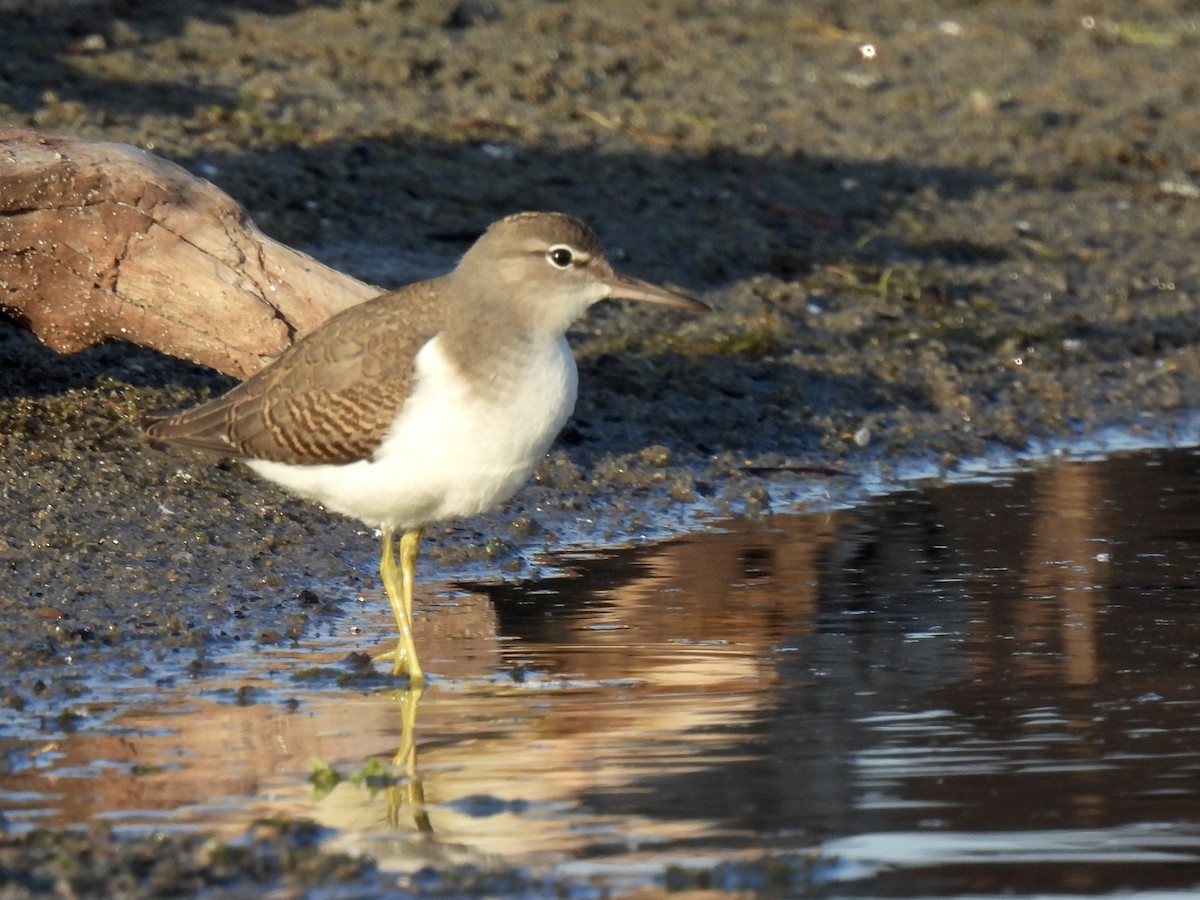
(981, 238)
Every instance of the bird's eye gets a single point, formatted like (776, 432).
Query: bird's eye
(560, 256)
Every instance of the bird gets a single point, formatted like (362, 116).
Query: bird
(431, 402)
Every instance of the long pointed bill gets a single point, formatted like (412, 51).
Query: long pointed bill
(625, 287)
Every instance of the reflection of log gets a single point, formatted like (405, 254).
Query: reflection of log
(103, 241)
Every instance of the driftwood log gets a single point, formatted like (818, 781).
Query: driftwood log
(101, 241)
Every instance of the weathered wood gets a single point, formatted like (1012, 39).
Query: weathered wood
(101, 241)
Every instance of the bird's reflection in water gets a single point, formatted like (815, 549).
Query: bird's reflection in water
(406, 796)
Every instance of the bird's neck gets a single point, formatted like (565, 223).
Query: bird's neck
(490, 342)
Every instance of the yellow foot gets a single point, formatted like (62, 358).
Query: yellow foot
(401, 665)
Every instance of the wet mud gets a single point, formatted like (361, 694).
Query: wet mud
(980, 238)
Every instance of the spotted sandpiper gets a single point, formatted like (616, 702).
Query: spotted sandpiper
(429, 402)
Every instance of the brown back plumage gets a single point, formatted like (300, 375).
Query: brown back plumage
(330, 397)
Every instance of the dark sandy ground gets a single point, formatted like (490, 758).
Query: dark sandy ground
(983, 236)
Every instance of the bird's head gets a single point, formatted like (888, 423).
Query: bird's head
(552, 267)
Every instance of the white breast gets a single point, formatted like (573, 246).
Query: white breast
(451, 452)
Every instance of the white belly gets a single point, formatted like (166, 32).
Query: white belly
(450, 452)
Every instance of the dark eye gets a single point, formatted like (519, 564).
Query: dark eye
(560, 256)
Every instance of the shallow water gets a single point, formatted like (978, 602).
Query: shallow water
(975, 689)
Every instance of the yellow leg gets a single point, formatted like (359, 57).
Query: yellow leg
(398, 583)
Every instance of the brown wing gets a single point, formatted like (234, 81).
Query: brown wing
(330, 397)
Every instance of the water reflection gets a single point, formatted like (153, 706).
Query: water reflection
(970, 688)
